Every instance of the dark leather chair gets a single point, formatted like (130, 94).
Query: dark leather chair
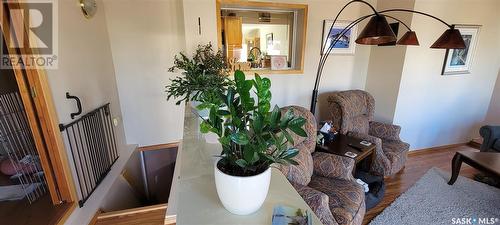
(491, 138)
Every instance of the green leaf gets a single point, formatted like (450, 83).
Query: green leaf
(266, 83)
(289, 153)
(223, 112)
(250, 155)
(239, 76)
(240, 138)
(225, 141)
(288, 136)
(212, 116)
(258, 123)
(204, 105)
(287, 118)
(230, 96)
(242, 163)
(205, 127)
(297, 122)
(275, 116)
(298, 130)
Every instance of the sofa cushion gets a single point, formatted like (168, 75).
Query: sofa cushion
(346, 197)
(359, 124)
(301, 173)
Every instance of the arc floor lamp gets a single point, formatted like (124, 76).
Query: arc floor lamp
(377, 31)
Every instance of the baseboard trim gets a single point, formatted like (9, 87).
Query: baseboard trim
(159, 146)
(437, 148)
(93, 221)
(169, 220)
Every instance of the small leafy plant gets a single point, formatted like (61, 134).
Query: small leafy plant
(205, 76)
(252, 136)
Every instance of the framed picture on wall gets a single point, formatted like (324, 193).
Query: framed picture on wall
(269, 41)
(345, 44)
(459, 61)
(278, 62)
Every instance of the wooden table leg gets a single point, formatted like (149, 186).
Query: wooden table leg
(456, 163)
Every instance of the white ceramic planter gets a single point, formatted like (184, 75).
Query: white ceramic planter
(242, 195)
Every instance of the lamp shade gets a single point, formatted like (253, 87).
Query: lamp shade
(376, 32)
(450, 39)
(409, 38)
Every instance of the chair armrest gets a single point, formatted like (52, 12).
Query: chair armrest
(333, 166)
(489, 134)
(318, 201)
(385, 131)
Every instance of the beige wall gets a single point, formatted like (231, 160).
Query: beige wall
(144, 39)
(439, 110)
(493, 117)
(341, 72)
(86, 70)
(386, 65)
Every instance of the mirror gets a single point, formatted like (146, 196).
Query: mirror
(262, 39)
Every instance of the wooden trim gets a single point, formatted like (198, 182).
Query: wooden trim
(437, 148)
(272, 5)
(158, 147)
(126, 212)
(94, 219)
(170, 220)
(67, 213)
(44, 115)
(269, 5)
(219, 23)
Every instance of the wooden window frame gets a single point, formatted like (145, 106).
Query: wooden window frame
(269, 5)
(44, 123)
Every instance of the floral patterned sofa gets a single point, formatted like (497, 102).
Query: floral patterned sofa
(352, 113)
(324, 180)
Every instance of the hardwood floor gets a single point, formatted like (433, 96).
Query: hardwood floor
(41, 212)
(416, 166)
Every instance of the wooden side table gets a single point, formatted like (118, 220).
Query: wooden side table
(340, 145)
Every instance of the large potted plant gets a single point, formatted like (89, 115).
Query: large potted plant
(204, 75)
(253, 137)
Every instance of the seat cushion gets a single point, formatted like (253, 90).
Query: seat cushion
(346, 197)
(396, 153)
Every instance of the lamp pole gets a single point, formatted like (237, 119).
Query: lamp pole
(449, 39)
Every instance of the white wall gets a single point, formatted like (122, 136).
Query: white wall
(493, 116)
(86, 70)
(144, 38)
(438, 110)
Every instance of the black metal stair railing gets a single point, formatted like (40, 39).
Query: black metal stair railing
(92, 143)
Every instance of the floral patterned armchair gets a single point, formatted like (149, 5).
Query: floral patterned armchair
(352, 113)
(324, 180)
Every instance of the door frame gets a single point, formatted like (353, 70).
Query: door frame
(38, 102)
